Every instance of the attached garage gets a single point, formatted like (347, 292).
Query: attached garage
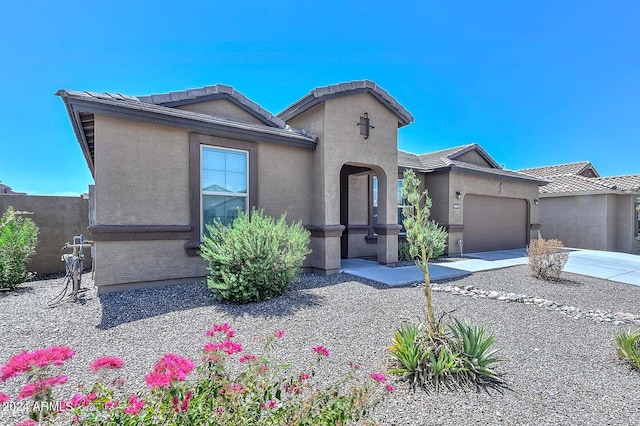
(494, 223)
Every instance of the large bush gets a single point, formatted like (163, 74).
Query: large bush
(546, 258)
(255, 258)
(18, 240)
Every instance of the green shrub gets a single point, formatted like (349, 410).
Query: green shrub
(255, 258)
(458, 354)
(546, 259)
(628, 346)
(404, 253)
(18, 240)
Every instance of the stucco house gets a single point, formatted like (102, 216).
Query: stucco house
(482, 205)
(586, 210)
(166, 164)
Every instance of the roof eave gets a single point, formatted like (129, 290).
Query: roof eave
(539, 182)
(76, 124)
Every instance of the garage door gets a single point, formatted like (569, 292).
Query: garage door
(494, 223)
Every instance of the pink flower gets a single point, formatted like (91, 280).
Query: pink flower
(269, 404)
(106, 362)
(4, 397)
(25, 361)
(390, 388)
(28, 422)
(378, 377)
(227, 346)
(245, 358)
(135, 405)
(169, 368)
(354, 365)
(279, 334)
(220, 328)
(111, 404)
(76, 400)
(304, 376)
(263, 367)
(293, 388)
(40, 386)
(321, 350)
(235, 388)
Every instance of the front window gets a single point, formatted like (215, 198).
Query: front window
(400, 202)
(224, 184)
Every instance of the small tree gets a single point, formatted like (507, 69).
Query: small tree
(426, 239)
(18, 240)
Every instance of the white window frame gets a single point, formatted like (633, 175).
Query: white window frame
(224, 194)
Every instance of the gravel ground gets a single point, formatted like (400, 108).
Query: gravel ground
(558, 370)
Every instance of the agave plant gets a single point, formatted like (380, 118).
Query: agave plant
(408, 352)
(475, 348)
(628, 346)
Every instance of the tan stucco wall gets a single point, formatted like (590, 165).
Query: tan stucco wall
(221, 108)
(359, 199)
(128, 262)
(342, 143)
(474, 158)
(578, 222)
(437, 185)
(141, 173)
(285, 181)
(593, 221)
(59, 219)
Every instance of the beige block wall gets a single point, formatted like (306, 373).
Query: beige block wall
(141, 173)
(285, 181)
(221, 108)
(59, 219)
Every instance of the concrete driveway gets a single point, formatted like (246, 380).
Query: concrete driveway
(621, 267)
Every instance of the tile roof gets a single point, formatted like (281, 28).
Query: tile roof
(442, 158)
(560, 169)
(573, 183)
(320, 94)
(409, 160)
(622, 183)
(210, 93)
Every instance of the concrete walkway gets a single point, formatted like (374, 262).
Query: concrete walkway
(612, 266)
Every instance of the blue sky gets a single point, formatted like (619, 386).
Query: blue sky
(534, 83)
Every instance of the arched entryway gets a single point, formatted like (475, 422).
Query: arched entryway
(364, 237)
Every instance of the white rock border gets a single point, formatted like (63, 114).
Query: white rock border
(597, 315)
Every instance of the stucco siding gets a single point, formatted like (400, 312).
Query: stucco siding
(577, 221)
(474, 158)
(221, 108)
(141, 173)
(359, 199)
(141, 261)
(438, 186)
(285, 181)
(342, 143)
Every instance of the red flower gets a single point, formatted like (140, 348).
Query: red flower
(279, 334)
(390, 388)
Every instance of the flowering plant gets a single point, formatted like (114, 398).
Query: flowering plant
(181, 392)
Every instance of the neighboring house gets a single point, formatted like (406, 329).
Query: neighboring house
(585, 210)
(4, 189)
(165, 165)
(482, 205)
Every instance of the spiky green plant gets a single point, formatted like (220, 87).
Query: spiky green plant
(628, 346)
(476, 349)
(426, 239)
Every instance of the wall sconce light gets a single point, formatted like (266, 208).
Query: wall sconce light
(535, 201)
(458, 195)
(365, 125)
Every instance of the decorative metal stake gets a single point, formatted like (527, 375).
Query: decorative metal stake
(365, 125)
